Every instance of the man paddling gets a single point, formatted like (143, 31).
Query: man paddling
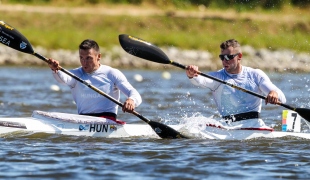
(237, 107)
(105, 78)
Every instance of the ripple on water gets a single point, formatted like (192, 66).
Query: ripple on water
(46, 156)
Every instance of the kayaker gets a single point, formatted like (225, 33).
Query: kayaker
(236, 106)
(110, 80)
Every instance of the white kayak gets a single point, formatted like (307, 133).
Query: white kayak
(78, 125)
(73, 124)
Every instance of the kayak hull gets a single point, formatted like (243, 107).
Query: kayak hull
(77, 125)
(10, 125)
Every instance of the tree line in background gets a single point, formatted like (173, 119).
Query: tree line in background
(238, 4)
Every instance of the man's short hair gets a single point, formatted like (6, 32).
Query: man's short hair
(89, 44)
(230, 43)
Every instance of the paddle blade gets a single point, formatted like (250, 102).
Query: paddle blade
(142, 49)
(304, 113)
(165, 131)
(9, 36)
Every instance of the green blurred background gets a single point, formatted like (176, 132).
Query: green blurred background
(186, 24)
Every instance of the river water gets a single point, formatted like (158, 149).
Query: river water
(43, 156)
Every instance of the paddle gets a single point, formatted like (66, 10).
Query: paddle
(9, 36)
(148, 51)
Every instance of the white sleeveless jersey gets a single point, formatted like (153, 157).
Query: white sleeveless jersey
(109, 80)
(233, 101)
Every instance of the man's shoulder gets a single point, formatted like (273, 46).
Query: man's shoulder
(110, 72)
(108, 69)
(252, 70)
(255, 73)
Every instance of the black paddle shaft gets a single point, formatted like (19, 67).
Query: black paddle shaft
(302, 111)
(12, 38)
(161, 130)
(145, 50)
(84, 82)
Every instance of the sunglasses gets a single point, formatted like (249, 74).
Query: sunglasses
(228, 57)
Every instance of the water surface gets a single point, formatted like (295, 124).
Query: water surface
(44, 156)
